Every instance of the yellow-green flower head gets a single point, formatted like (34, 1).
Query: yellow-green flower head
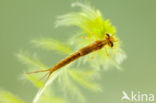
(92, 26)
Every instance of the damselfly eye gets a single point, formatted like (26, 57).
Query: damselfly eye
(107, 34)
(111, 44)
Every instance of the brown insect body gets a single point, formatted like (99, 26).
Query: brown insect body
(96, 45)
(82, 52)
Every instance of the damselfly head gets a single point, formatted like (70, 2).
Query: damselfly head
(110, 39)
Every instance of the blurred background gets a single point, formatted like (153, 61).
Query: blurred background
(24, 20)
